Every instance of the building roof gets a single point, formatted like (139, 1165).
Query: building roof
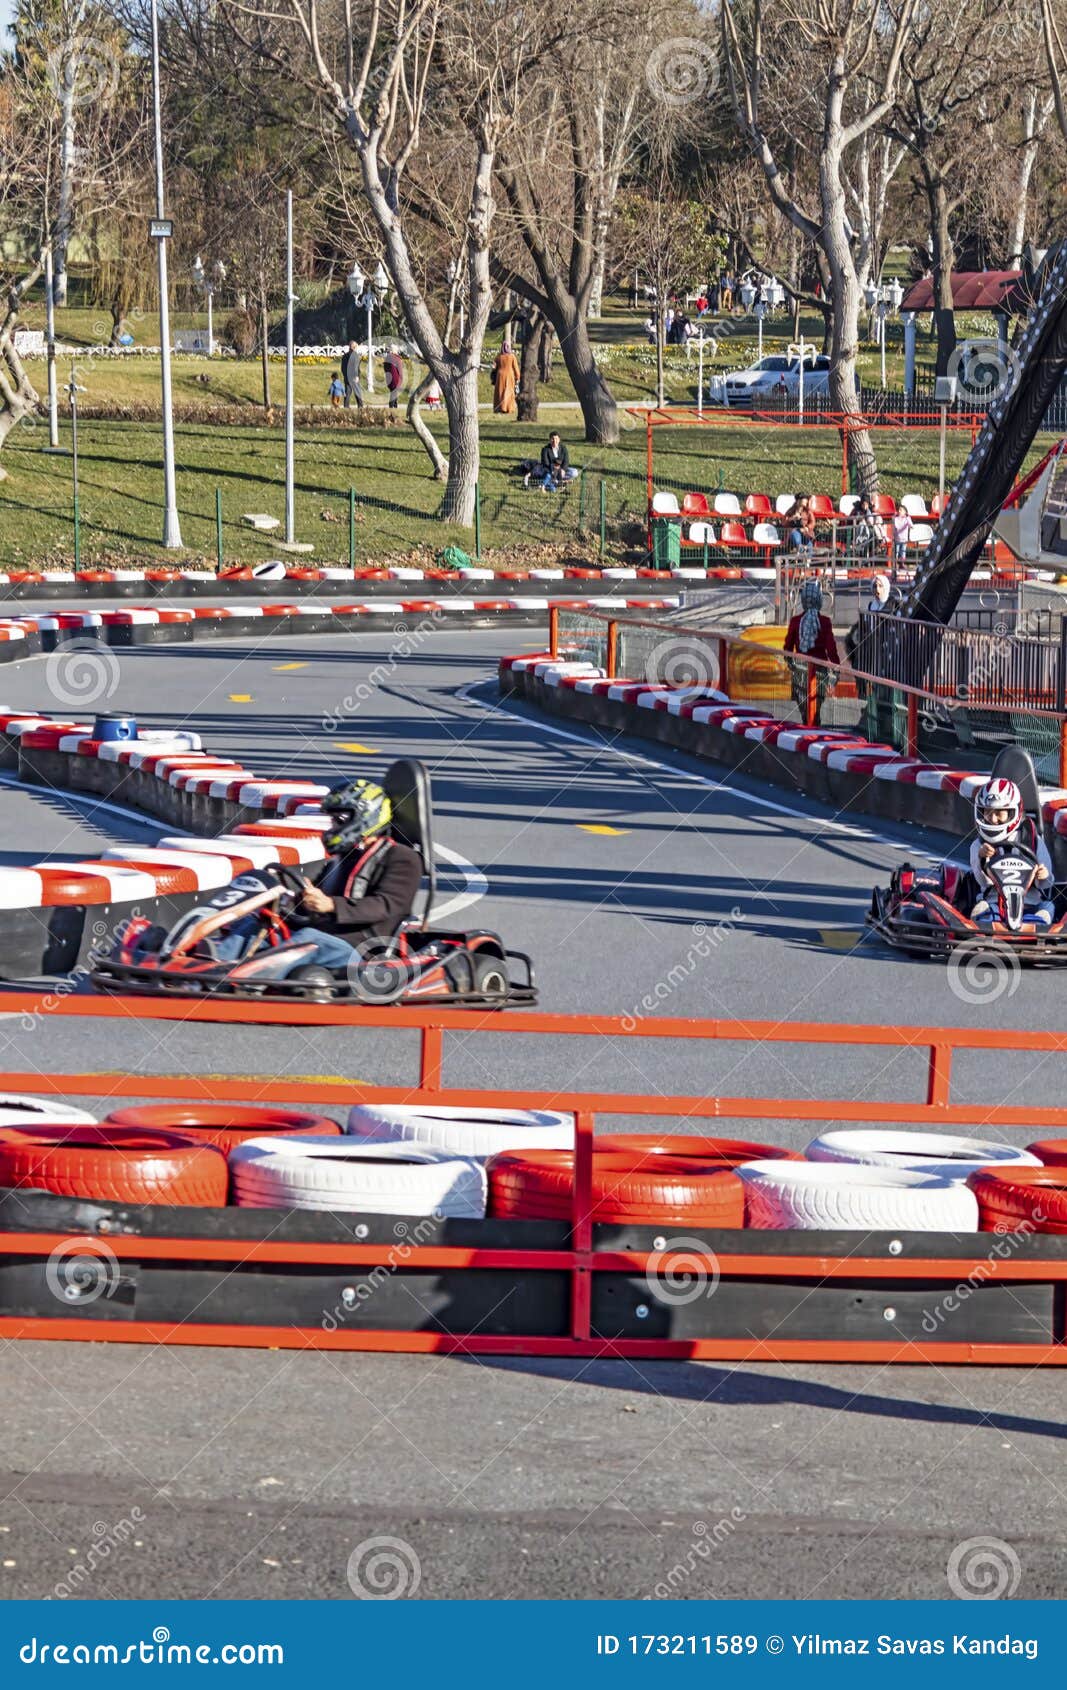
(972, 290)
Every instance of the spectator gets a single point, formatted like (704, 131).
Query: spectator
(726, 292)
(350, 376)
(902, 526)
(802, 533)
(505, 381)
(337, 391)
(650, 330)
(555, 464)
(433, 396)
(864, 528)
(879, 599)
(810, 634)
(668, 325)
(394, 375)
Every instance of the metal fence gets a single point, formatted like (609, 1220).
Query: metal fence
(963, 729)
(1018, 661)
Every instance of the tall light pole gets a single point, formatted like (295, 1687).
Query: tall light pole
(289, 533)
(50, 331)
(160, 229)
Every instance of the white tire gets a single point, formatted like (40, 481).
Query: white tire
(840, 1196)
(19, 1109)
(345, 1174)
(941, 1154)
(463, 1132)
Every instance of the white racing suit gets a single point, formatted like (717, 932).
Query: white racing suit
(1039, 907)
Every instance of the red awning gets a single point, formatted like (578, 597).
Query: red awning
(972, 290)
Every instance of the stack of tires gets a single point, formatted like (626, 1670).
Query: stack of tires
(518, 1165)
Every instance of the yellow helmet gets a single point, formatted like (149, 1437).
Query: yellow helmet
(361, 809)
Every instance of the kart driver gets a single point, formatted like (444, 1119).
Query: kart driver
(367, 885)
(1001, 823)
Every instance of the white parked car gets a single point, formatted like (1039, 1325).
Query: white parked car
(776, 373)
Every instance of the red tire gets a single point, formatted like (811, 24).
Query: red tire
(1051, 1151)
(727, 1152)
(114, 1163)
(1005, 1199)
(224, 1125)
(675, 1190)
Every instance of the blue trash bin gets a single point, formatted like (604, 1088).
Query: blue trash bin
(112, 725)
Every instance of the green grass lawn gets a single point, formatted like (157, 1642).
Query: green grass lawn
(120, 471)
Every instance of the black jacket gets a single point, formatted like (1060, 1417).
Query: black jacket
(350, 372)
(549, 462)
(384, 896)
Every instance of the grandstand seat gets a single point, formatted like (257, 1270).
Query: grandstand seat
(847, 503)
(700, 534)
(921, 534)
(733, 535)
(915, 505)
(938, 503)
(822, 508)
(784, 503)
(766, 534)
(727, 504)
(758, 506)
(884, 504)
(665, 504)
(696, 504)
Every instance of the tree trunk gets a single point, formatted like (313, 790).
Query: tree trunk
(461, 403)
(533, 340)
(845, 299)
(18, 396)
(660, 335)
(544, 356)
(599, 410)
(942, 253)
(421, 428)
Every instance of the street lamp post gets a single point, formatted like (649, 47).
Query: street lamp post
(362, 289)
(761, 312)
(161, 230)
(72, 393)
(50, 330)
(205, 282)
(290, 535)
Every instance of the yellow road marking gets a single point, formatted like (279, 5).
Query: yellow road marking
(354, 745)
(240, 698)
(840, 938)
(283, 668)
(601, 827)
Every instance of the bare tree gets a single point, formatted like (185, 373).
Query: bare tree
(830, 69)
(377, 66)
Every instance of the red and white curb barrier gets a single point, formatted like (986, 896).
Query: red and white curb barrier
(838, 748)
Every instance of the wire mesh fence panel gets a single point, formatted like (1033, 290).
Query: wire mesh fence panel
(582, 638)
(669, 657)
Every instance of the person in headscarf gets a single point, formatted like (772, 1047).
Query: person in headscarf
(810, 634)
(879, 599)
(505, 381)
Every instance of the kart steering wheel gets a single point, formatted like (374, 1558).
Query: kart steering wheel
(291, 878)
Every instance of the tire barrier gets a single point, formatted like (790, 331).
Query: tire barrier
(938, 1154)
(1051, 1152)
(838, 1196)
(19, 1109)
(344, 1174)
(727, 1152)
(224, 1125)
(463, 1132)
(1009, 1198)
(115, 1163)
(667, 1190)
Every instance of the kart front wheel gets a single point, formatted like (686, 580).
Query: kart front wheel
(490, 976)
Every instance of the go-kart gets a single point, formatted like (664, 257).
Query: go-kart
(232, 946)
(926, 911)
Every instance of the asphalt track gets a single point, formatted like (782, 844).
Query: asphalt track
(640, 886)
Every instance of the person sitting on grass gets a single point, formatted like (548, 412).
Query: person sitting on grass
(555, 464)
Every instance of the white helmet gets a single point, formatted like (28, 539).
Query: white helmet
(998, 795)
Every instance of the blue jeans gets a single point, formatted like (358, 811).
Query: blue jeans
(331, 951)
(1041, 915)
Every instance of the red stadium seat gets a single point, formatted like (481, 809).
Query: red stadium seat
(758, 507)
(695, 504)
(822, 508)
(732, 534)
(884, 504)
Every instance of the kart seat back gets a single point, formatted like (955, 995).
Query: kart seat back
(1013, 763)
(407, 784)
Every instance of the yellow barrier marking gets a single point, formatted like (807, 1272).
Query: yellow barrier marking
(601, 827)
(240, 698)
(283, 668)
(354, 745)
(840, 938)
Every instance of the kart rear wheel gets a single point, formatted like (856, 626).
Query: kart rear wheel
(490, 976)
(315, 983)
